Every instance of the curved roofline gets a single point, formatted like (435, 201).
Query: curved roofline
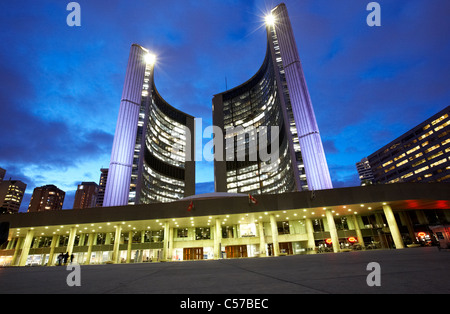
(166, 103)
(268, 53)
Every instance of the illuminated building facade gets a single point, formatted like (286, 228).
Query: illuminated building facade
(152, 159)
(86, 195)
(11, 195)
(225, 226)
(46, 198)
(420, 155)
(364, 171)
(102, 187)
(275, 96)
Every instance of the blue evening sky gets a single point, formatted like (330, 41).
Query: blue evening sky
(61, 86)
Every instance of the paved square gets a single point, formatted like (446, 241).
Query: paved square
(410, 271)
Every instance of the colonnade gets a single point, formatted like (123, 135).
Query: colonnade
(25, 242)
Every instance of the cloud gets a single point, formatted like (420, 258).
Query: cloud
(60, 87)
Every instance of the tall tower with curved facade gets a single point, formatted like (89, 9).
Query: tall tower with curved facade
(276, 95)
(152, 158)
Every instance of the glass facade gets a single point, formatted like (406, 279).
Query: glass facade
(420, 155)
(161, 149)
(249, 111)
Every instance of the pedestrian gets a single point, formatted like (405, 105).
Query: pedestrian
(60, 258)
(66, 257)
(71, 258)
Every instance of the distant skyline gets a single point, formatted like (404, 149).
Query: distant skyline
(61, 86)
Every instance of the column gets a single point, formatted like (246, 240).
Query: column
(393, 227)
(310, 233)
(143, 236)
(406, 220)
(358, 231)
(170, 246)
(333, 231)
(166, 241)
(316, 167)
(72, 235)
(262, 240)
(274, 229)
(52, 250)
(108, 238)
(218, 239)
(82, 239)
(19, 243)
(90, 244)
(119, 175)
(115, 256)
(130, 241)
(26, 248)
(10, 244)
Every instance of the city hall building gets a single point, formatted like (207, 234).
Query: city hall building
(228, 225)
(277, 95)
(152, 158)
(150, 211)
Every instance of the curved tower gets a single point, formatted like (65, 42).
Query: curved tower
(276, 95)
(152, 157)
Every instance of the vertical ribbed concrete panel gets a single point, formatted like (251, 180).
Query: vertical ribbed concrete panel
(316, 167)
(119, 175)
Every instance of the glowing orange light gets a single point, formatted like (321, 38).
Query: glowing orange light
(352, 240)
(421, 234)
(328, 241)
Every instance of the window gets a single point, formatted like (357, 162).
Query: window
(182, 233)
(202, 234)
(283, 227)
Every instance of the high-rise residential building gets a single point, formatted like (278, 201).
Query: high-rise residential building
(420, 155)
(45, 198)
(11, 195)
(2, 174)
(102, 187)
(152, 159)
(86, 195)
(364, 171)
(276, 96)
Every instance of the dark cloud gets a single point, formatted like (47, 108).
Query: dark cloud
(60, 87)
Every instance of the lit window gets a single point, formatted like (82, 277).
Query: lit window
(438, 162)
(432, 148)
(413, 149)
(439, 119)
(421, 169)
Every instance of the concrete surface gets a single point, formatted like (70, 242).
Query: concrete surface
(407, 271)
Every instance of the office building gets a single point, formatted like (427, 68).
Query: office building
(11, 195)
(420, 155)
(223, 226)
(86, 195)
(152, 159)
(46, 198)
(276, 96)
(102, 187)
(364, 171)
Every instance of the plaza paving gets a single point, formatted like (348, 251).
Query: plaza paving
(407, 271)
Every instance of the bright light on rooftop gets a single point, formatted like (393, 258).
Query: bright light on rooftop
(150, 59)
(270, 19)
